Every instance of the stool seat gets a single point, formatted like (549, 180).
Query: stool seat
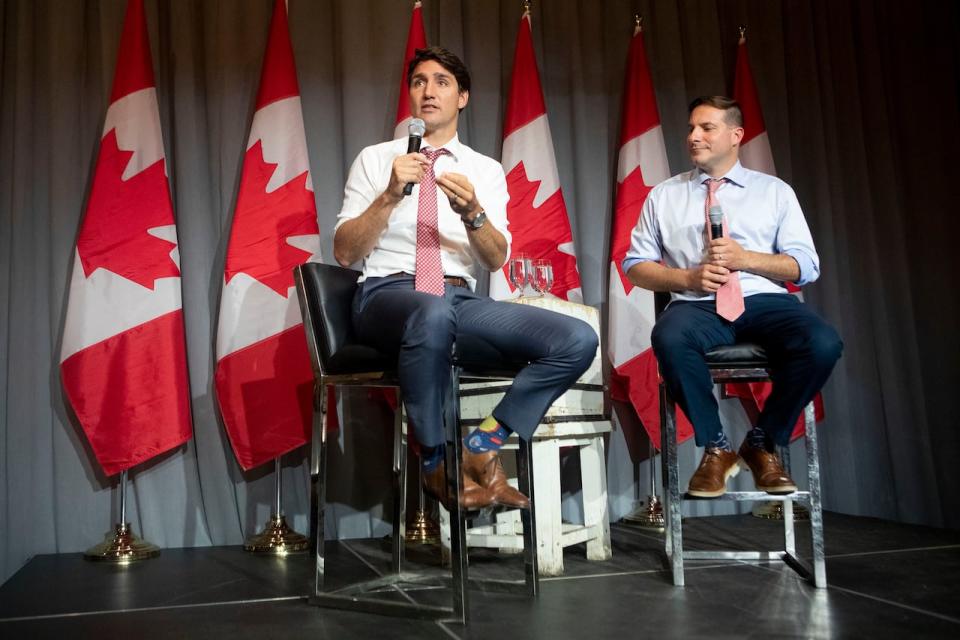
(745, 355)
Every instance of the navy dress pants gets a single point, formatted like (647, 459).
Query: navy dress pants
(801, 346)
(420, 329)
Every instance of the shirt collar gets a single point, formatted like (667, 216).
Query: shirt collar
(453, 146)
(738, 175)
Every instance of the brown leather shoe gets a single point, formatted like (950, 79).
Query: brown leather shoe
(435, 485)
(768, 473)
(487, 471)
(710, 478)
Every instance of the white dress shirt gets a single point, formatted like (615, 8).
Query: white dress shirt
(396, 248)
(762, 215)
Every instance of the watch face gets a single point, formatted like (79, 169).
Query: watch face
(478, 220)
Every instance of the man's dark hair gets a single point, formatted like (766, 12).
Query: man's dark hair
(446, 59)
(732, 114)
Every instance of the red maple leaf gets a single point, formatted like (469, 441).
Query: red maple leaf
(539, 231)
(631, 194)
(264, 221)
(119, 213)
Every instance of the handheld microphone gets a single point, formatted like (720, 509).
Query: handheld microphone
(416, 129)
(716, 221)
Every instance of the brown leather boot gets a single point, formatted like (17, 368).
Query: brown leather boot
(710, 478)
(768, 474)
(473, 496)
(487, 471)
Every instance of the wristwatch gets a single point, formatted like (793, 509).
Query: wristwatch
(478, 221)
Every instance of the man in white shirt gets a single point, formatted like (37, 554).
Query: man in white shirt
(420, 254)
(728, 287)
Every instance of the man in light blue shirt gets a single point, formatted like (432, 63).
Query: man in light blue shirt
(765, 243)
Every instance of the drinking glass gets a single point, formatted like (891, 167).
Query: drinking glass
(542, 276)
(519, 272)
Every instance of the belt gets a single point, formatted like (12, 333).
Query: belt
(455, 281)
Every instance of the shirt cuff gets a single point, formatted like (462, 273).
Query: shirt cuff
(629, 262)
(808, 269)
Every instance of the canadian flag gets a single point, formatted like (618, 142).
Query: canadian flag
(642, 164)
(416, 39)
(264, 382)
(755, 153)
(537, 212)
(123, 360)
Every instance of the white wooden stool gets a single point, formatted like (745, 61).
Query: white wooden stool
(574, 420)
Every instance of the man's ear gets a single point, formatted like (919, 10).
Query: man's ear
(737, 135)
(463, 99)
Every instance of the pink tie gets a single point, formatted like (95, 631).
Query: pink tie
(429, 275)
(730, 295)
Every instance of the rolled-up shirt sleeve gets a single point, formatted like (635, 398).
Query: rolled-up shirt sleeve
(493, 196)
(794, 238)
(645, 242)
(360, 189)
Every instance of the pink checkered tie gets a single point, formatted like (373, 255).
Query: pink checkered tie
(429, 274)
(730, 295)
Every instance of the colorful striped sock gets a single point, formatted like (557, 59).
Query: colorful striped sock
(489, 436)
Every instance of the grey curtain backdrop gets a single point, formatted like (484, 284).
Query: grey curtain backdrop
(860, 100)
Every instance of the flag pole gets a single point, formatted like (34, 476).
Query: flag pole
(277, 538)
(121, 546)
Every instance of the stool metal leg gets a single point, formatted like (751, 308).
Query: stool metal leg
(668, 445)
(816, 512)
(319, 489)
(528, 517)
(789, 540)
(458, 529)
(665, 477)
(399, 489)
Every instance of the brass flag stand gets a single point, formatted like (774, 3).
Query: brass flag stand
(649, 514)
(121, 546)
(422, 529)
(277, 538)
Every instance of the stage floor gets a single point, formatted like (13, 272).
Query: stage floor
(886, 580)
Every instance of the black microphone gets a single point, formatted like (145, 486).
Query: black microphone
(416, 128)
(716, 221)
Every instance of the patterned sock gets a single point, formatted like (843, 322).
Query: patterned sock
(720, 442)
(489, 436)
(431, 457)
(759, 439)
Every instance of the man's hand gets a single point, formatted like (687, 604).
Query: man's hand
(457, 188)
(407, 168)
(726, 252)
(708, 278)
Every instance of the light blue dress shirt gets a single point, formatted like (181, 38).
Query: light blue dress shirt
(762, 215)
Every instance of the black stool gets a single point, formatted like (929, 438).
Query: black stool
(326, 296)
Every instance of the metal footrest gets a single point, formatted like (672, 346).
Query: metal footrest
(748, 496)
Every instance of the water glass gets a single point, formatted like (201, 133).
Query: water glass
(519, 271)
(542, 276)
